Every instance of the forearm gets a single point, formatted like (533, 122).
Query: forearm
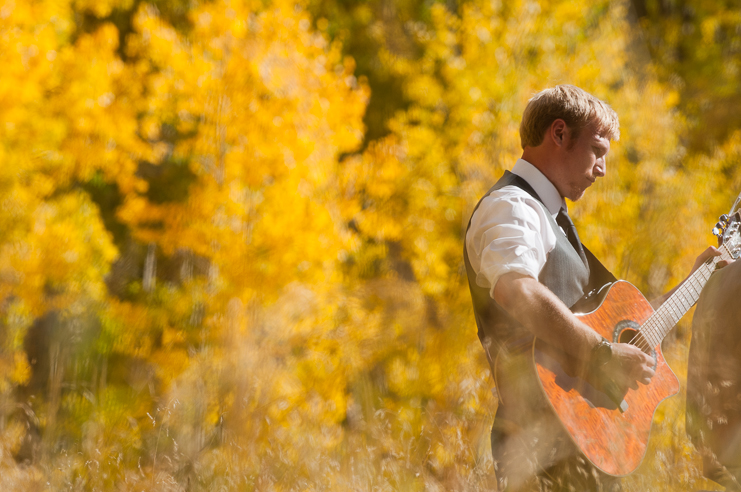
(544, 315)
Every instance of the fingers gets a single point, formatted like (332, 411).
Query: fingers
(631, 381)
(633, 366)
(642, 373)
(723, 263)
(630, 354)
(711, 251)
(702, 257)
(646, 375)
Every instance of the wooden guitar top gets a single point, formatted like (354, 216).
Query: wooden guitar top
(614, 440)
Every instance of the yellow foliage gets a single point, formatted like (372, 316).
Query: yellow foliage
(251, 86)
(210, 278)
(21, 370)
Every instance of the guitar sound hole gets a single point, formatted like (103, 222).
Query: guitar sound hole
(627, 335)
(626, 331)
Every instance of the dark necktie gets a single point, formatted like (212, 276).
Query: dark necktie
(563, 220)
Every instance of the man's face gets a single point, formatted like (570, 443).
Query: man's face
(583, 161)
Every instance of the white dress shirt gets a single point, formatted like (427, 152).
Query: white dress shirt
(510, 231)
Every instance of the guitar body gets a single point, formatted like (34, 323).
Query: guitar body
(613, 436)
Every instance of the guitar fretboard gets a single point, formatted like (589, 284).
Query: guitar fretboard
(671, 311)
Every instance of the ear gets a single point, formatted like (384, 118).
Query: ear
(558, 132)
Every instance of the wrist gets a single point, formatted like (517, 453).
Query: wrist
(600, 354)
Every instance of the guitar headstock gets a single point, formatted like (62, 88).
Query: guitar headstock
(728, 230)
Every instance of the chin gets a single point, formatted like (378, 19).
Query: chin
(576, 195)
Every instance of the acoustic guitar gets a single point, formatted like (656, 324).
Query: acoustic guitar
(610, 427)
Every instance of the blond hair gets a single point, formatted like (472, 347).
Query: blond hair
(575, 106)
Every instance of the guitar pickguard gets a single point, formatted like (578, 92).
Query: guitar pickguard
(589, 388)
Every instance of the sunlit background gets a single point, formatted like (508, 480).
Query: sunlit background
(231, 231)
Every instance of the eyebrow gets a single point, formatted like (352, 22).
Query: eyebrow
(601, 141)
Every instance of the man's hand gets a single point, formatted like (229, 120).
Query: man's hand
(629, 366)
(705, 255)
(701, 259)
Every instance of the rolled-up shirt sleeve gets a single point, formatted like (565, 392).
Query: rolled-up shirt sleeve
(509, 232)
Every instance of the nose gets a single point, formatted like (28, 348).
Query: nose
(600, 168)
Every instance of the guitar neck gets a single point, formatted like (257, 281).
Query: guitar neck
(671, 311)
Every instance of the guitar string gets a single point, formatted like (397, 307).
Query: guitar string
(650, 334)
(665, 317)
(649, 329)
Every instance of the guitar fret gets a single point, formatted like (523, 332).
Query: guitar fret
(686, 303)
(725, 254)
(699, 284)
(661, 317)
(668, 314)
(653, 339)
(678, 303)
(645, 332)
(670, 311)
(667, 322)
(647, 340)
(695, 284)
(664, 318)
(689, 291)
(691, 285)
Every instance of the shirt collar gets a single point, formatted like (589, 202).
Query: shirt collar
(543, 187)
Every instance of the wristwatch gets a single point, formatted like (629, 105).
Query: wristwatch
(601, 353)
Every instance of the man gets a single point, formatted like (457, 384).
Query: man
(526, 267)
(714, 378)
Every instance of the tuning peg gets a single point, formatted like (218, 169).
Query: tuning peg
(720, 227)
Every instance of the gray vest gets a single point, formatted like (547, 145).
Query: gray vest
(564, 273)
